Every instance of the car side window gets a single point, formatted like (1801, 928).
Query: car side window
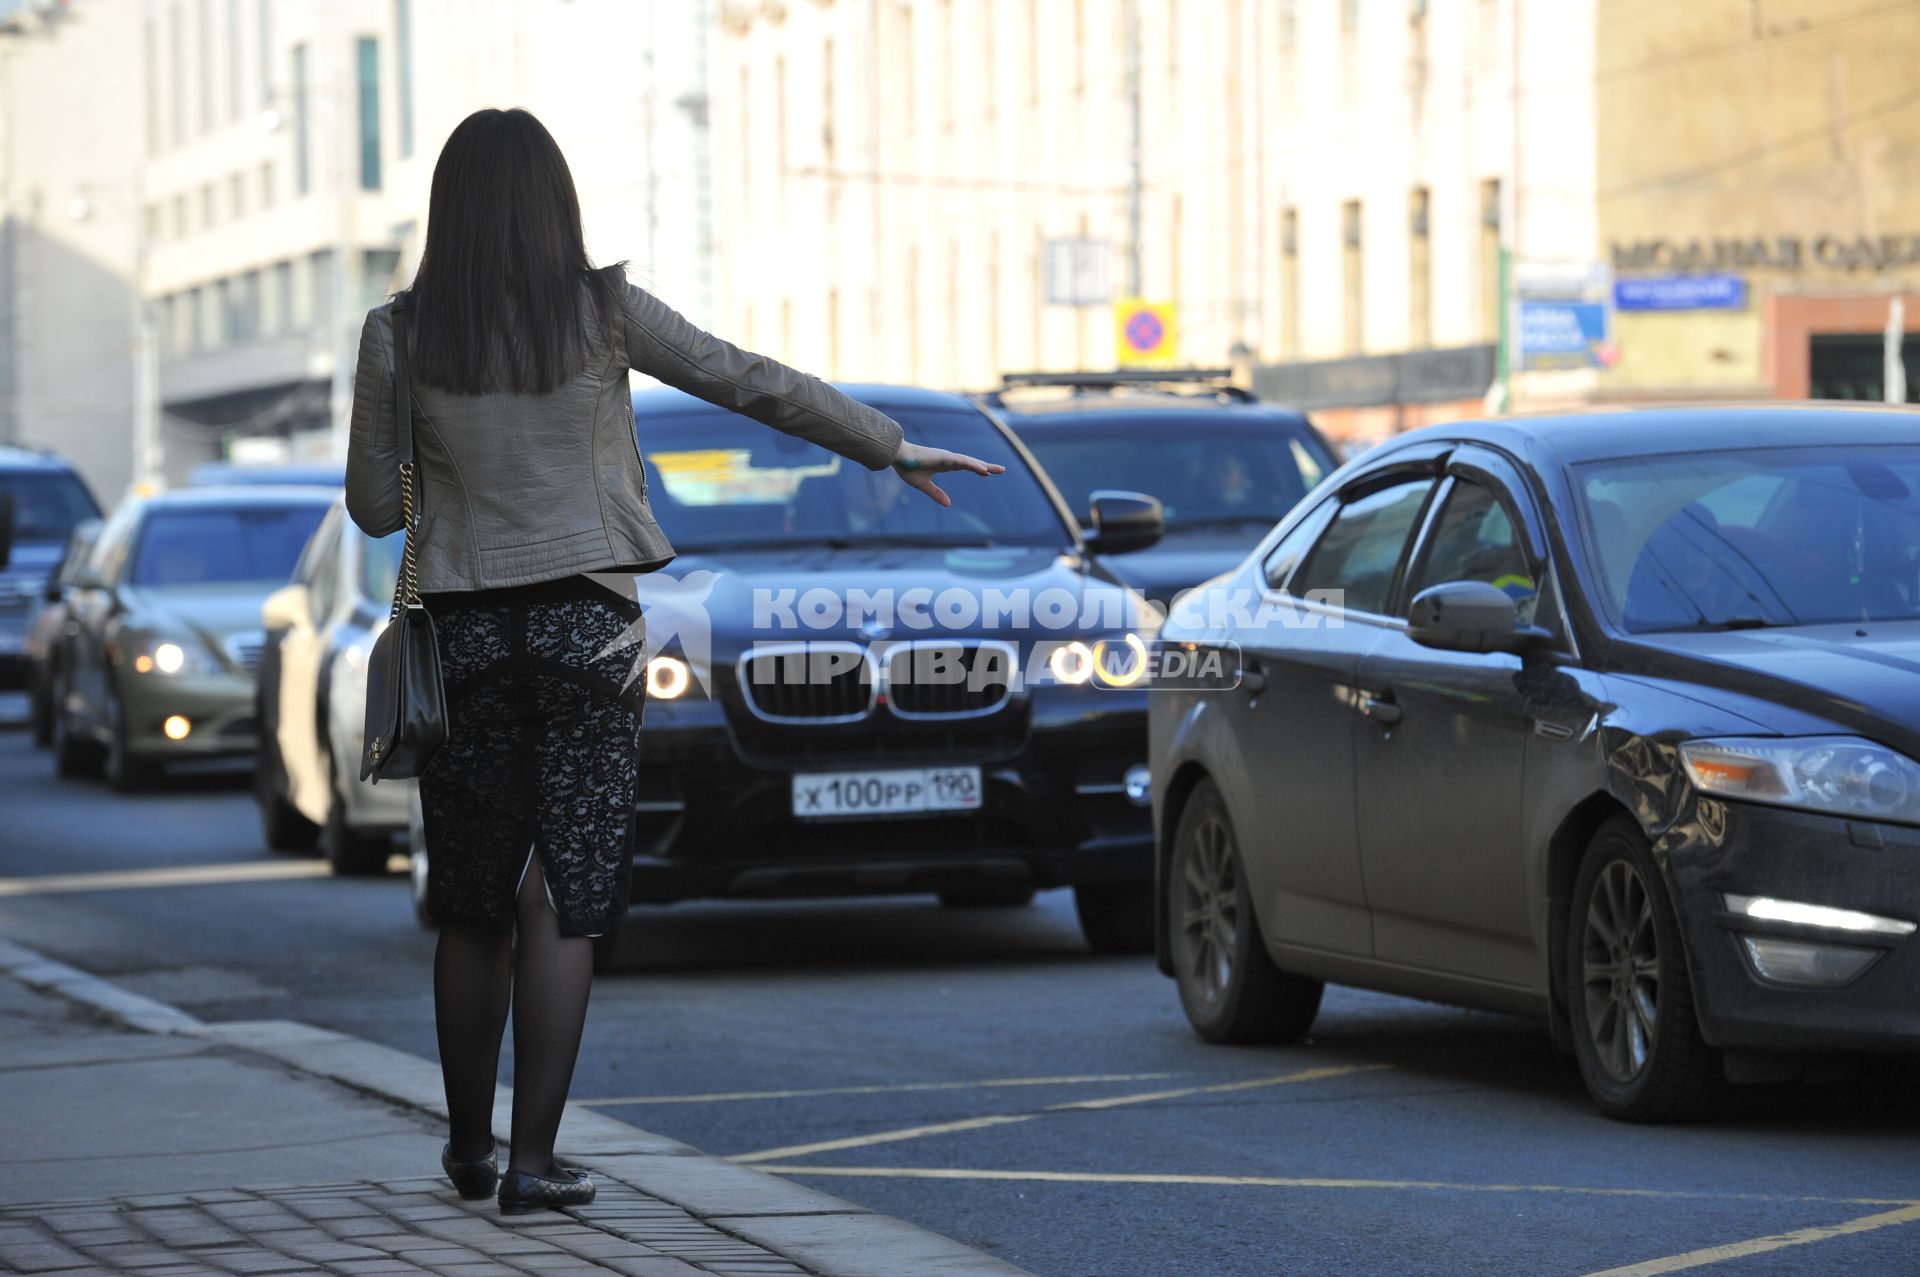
(1286, 556)
(1362, 548)
(322, 575)
(1475, 540)
(110, 551)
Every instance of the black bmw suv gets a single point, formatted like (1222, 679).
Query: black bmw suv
(854, 691)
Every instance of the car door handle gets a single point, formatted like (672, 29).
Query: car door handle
(1380, 709)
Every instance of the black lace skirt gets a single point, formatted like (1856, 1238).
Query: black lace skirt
(545, 688)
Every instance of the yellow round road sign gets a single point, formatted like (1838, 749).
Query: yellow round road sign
(1146, 333)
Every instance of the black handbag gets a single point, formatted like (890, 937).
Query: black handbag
(406, 701)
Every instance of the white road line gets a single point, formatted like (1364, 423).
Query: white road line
(175, 876)
(900, 1088)
(1008, 1119)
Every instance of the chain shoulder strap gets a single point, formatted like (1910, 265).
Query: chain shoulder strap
(406, 585)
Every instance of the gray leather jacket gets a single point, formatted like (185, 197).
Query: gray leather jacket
(516, 489)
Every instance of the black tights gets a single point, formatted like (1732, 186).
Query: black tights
(546, 977)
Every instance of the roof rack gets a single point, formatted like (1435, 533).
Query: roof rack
(1217, 381)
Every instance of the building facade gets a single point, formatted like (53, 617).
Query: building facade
(1324, 188)
(1759, 195)
(256, 174)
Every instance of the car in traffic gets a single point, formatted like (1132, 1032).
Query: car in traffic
(227, 474)
(42, 499)
(1224, 466)
(310, 701)
(157, 663)
(47, 624)
(1610, 719)
(805, 733)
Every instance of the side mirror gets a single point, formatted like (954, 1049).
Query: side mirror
(1470, 616)
(6, 528)
(1125, 521)
(285, 608)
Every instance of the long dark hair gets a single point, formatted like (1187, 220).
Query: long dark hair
(495, 304)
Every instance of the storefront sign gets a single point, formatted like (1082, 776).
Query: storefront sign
(1562, 333)
(1783, 252)
(1680, 292)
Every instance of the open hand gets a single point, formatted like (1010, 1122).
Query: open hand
(918, 465)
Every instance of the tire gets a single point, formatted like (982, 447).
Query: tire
(125, 770)
(1636, 1033)
(1230, 986)
(350, 853)
(74, 758)
(1116, 919)
(988, 896)
(281, 823)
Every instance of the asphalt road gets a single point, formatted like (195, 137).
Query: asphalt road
(982, 1075)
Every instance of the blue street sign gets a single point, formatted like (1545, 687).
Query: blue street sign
(1562, 333)
(1680, 292)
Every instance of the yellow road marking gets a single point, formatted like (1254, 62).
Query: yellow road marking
(1761, 1245)
(1007, 1119)
(176, 876)
(1401, 1185)
(721, 1097)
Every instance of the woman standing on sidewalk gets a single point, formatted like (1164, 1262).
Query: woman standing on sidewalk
(529, 480)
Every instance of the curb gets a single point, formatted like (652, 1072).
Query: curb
(818, 1232)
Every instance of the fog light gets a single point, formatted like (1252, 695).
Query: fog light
(1139, 783)
(1803, 963)
(176, 727)
(143, 664)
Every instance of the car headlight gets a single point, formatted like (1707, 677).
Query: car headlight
(1115, 661)
(668, 678)
(1843, 775)
(165, 656)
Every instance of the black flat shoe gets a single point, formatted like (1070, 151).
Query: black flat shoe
(522, 1194)
(473, 1178)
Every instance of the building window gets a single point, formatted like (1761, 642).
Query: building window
(302, 160)
(1349, 16)
(403, 72)
(1352, 279)
(320, 289)
(368, 51)
(826, 109)
(264, 40)
(1419, 270)
(1492, 296)
(203, 14)
(152, 55)
(236, 58)
(220, 327)
(246, 308)
(155, 231)
(196, 321)
(237, 195)
(177, 71)
(266, 184)
(1289, 24)
(376, 272)
(1290, 283)
(209, 214)
(283, 297)
(180, 227)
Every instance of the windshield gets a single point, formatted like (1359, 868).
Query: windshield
(1794, 536)
(46, 503)
(212, 545)
(1202, 477)
(717, 480)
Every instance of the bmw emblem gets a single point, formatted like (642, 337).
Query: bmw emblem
(873, 630)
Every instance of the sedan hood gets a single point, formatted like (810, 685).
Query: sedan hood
(1864, 683)
(209, 613)
(1183, 558)
(729, 601)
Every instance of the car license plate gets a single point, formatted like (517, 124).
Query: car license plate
(838, 795)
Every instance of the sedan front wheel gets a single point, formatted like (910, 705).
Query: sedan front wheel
(1635, 1031)
(1230, 987)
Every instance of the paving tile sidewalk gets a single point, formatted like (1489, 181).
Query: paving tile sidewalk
(142, 1140)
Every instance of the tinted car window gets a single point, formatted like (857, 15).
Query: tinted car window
(1791, 536)
(1475, 540)
(1286, 556)
(1361, 549)
(716, 480)
(46, 503)
(222, 545)
(1201, 475)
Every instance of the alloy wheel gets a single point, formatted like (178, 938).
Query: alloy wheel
(1209, 919)
(1620, 971)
